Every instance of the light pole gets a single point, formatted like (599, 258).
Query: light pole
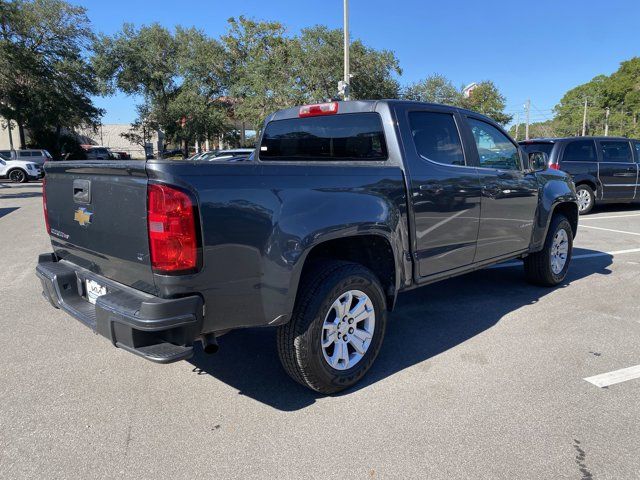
(343, 86)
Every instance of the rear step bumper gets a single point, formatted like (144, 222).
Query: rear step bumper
(160, 330)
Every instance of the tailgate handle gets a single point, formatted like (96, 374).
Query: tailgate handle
(81, 191)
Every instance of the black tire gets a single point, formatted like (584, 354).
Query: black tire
(585, 190)
(537, 266)
(299, 341)
(18, 175)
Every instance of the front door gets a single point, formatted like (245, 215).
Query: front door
(444, 189)
(509, 192)
(617, 171)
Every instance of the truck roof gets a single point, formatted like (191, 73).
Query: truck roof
(360, 106)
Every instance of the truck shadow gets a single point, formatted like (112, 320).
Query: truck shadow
(425, 323)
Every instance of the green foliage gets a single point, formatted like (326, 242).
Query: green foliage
(536, 130)
(434, 89)
(487, 100)
(260, 66)
(318, 67)
(619, 92)
(46, 82)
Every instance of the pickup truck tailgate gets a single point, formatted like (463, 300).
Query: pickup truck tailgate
(98, 218)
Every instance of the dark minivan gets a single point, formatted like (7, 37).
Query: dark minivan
(604, 169)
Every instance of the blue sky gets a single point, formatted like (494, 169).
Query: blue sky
(535, 50)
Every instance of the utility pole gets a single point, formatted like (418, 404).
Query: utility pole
(343, 86)
(606, 122)
(526, 130)
(517, 124)
(584, 118)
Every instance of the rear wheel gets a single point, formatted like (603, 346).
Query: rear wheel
(18, 176)
(549, 266)
(586, 198)
(337, 327)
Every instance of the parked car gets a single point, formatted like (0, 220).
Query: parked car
(99, 153)
(604, 169)
(37, 156)
(122, 155)
(345, 205)
(228, 154)
(19, 171)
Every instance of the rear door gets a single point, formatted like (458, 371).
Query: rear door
(509, 193)
(618, 172)
(98, 218)
(443, 187)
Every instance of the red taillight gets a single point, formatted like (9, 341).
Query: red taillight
(173, 239)
(554, 166)
(44, 205)
(318, 109)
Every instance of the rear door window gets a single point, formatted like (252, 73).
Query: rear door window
(616, 151)
(353, 136)
(637, 147)
(580, 151)
(436, 138)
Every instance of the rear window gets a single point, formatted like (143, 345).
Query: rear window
(354, 136)
(545, 147)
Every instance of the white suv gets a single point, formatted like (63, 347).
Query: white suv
(19, 171)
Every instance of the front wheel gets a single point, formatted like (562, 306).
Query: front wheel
(586, 199)
(337, 327)
(549, 266)
(18, 176)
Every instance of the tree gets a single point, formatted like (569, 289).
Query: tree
(487, 100)
(318, 67)
(260, 66)
(141, 62)
(435, 89)
(46, 82)
(569, 112)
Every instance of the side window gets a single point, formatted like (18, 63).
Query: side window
(613, 151)
(436, 137)
(495, 150)
(637, 145)
(580, 151)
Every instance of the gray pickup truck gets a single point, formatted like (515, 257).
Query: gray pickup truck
(343, 206)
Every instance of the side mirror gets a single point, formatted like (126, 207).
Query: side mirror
(538, 161)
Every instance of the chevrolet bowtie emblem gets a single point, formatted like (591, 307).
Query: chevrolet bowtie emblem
(82, 216)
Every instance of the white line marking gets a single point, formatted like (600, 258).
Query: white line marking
(575, 257)
(617, 376)
(610, 230)
(591, 217)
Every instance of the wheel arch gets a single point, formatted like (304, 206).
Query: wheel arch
(373, 251)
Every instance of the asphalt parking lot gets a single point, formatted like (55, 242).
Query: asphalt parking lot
(479, 377)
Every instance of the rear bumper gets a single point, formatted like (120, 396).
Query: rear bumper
(160, 330)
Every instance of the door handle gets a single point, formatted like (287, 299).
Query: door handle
(431, 188)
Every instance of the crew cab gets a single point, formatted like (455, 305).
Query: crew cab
(604, 169)
(344, 206)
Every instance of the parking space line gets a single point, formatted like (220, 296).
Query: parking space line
(617, 376)
(608, 216)
(576, 257)
(610, 230)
